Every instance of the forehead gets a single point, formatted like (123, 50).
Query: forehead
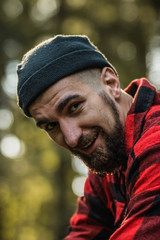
(64, 86)
(59, 90)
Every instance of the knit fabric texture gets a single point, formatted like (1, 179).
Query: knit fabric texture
(52, 60)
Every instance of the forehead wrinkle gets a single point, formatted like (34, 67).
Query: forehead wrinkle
(65, 101)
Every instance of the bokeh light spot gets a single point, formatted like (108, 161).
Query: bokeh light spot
(6, 118)
(43, 10)
(153, 61)
(12, 8)
(12, 48)
(78, 185)
(127, 51)
(128, 12)
(78, 166)
(12, 147)
(9, 82)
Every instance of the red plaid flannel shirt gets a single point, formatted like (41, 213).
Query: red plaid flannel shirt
(126, 205)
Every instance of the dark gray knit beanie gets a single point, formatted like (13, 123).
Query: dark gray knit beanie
(53, 60)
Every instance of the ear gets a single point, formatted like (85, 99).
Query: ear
(110, 82)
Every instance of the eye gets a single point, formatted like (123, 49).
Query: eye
(74, 107)
(50, 126)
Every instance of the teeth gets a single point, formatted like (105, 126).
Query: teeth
(90, 142)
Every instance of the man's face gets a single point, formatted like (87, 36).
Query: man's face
(83, 121)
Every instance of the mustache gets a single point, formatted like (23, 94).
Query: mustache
(85, 139)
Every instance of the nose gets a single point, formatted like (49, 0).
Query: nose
(71, 132)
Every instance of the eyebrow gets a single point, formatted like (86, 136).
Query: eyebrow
(65, 101)
(60, 107)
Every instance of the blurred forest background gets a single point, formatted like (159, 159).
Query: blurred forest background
(39, 182)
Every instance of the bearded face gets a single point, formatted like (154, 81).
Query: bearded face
(110, 156)
(84, 121)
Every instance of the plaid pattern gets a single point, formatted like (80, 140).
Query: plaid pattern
(126, 205)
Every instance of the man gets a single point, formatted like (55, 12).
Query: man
(73, 92)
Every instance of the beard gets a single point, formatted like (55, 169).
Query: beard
(111, 156)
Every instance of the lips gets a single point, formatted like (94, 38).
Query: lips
(90, 144)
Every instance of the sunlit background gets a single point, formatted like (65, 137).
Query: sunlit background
(40, 182)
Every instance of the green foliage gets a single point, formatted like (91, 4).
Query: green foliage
(36, 199)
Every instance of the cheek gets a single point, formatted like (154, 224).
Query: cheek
(92, 116)
(98, 117)
(58, 139)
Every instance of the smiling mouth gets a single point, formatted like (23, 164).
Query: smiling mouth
(90, 143)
